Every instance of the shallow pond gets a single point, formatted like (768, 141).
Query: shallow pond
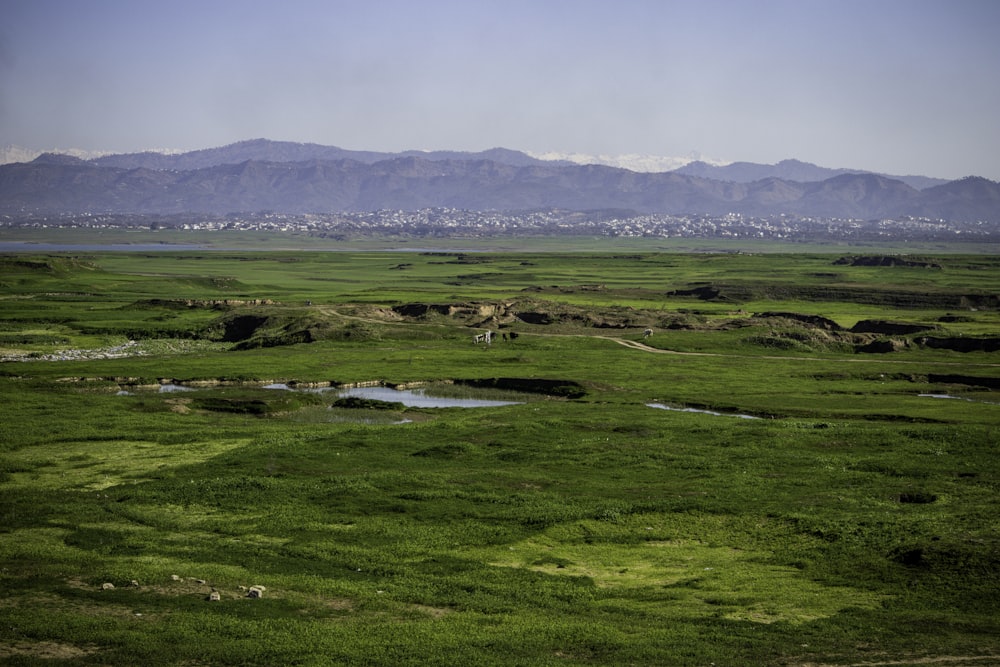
(957, 398)
(661, 406)
(170, 388)
(411, 398)
(162, 389)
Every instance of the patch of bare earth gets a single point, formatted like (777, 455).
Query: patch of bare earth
(46, 650)
(179, 405)
(340, 604)
(435, 612)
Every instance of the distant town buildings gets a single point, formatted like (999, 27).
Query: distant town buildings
(449, 222)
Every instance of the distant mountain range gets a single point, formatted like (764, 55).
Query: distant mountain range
(263, 150)
(788, 170)
(261, 175)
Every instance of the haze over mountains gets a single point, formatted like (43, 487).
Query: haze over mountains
(262, 175)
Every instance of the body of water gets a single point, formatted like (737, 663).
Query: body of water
(26, 246)
(417, 399)
(957, 398)
(661, 406)
(30, 246)
(170, 388)
(411, 398)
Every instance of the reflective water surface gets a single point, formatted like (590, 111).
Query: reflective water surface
(416, 398)
(411, 398)
(661, 406)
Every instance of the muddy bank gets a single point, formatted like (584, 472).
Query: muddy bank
(741, 293)
(559, 388)
(961, 343)
(890, 328)
(954, 343)
(968, 380)
(216, 304)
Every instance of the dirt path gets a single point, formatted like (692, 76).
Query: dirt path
(636, 345)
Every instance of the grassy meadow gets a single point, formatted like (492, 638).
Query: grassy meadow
(711, 458)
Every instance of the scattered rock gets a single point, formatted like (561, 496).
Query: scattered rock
(174, 577)
(128, 349)
(107, 586)
(214, 596)
(256, 592)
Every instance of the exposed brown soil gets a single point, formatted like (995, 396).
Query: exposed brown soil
(789, 330)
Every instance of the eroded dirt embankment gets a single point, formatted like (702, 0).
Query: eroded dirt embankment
(784, 330)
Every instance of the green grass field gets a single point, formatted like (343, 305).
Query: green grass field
(822, 490)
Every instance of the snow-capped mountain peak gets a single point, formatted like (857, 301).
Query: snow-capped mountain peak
(630, 161)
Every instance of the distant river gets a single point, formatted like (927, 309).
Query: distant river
(25, 246)
(28, 246)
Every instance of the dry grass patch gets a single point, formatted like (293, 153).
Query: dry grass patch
(702, 579)
(96, 465)
(433, 612)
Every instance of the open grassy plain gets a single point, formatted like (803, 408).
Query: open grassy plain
(729, 459)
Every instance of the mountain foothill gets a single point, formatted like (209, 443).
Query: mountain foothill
(288, 177)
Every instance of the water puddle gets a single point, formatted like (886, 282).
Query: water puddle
(412, 398)
(170, 388)
(956, 398)
(661, 406)
(416, 398)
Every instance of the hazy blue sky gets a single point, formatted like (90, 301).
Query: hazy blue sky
(899, 86)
